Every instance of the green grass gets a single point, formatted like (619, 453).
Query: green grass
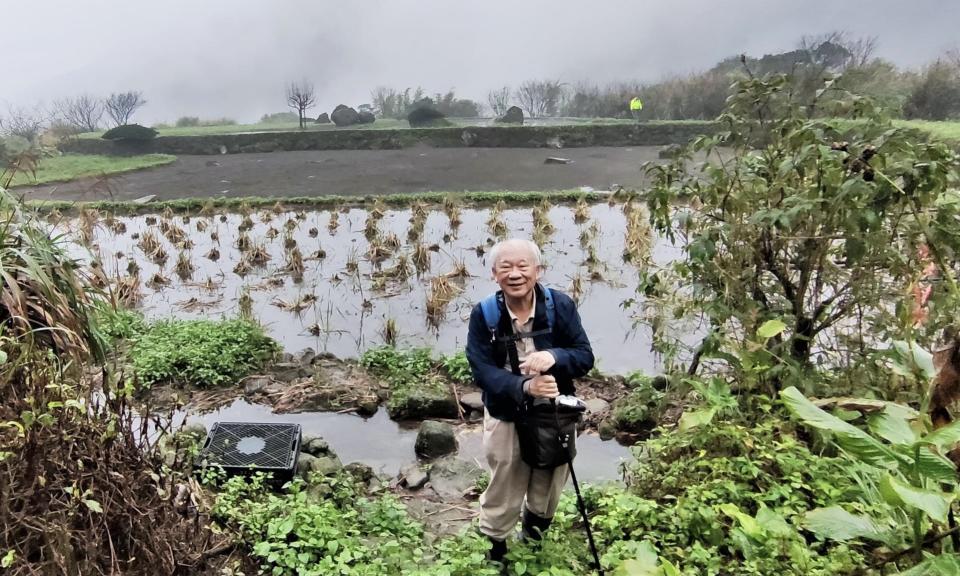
(70, 167)
(949, 131)
(381, 124)
(192, 205)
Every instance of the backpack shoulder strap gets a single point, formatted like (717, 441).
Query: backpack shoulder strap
(551, 308)
(491, 313)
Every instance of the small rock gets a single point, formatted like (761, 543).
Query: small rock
(669, 152)
(326, 465)
(289, 371)
(435, 439)
(660, 382)
(513, 115)
(255, 384)
(323, 119)
(597, 406)
(319, 492)
(413, 476)
(144, 199)
(607, 429)
(196, 430)
(360, 471)
(557, 160)
(555, 142)
(473, 401)
(368, 406)
(315, 446)
(306, 356)
(304, 465)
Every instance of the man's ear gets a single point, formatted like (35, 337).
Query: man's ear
(540, 271)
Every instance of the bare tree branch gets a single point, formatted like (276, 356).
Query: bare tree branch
(120, 107)
(82, 112)
(499, 100)
(301, 96)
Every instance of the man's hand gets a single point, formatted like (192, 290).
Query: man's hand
(543, 386)
(537, 363)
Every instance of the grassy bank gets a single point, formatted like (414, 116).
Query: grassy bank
(949, 131)
(189, 205)
(71, 167)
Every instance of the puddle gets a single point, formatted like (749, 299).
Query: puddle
(386, 446)
(351, 310)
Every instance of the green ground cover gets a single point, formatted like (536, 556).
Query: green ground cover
(74, 166)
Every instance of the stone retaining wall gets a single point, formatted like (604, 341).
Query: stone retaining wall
(575, 136)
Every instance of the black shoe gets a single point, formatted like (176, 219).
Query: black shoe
(498, 549)
(534, 526)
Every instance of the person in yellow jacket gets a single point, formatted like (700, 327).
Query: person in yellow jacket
(636, 105)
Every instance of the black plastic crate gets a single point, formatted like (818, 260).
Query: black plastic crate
(247, 448)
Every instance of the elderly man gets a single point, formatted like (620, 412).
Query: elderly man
(545, 364)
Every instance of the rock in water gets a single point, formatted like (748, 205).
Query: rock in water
(322, 119)
(344, 116)
(435, 439)
(557, 160)
(513, 115)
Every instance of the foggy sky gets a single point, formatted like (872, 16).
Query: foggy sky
(213, 58)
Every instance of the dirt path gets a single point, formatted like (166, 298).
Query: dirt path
(348, 172)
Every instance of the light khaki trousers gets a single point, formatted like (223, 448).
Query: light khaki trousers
(512, 482)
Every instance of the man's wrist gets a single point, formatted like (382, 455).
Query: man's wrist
(526, 385)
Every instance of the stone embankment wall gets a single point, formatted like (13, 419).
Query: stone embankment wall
(575, 136)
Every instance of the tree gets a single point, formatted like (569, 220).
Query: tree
(81, 112)
(936, 95)
(805, 235)
(120, 107)
(24, 123)
(499, 100)
(301, 96)
(540, 97)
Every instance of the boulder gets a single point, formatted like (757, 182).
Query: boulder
(344, 116)
(472, 401)
(365, 117)
(452, 478)
(435, 439)
(513, 115)
(413, 476)
(322, 119)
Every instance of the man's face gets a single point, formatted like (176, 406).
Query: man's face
(515, 270)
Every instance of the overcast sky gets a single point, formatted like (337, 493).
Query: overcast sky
(215, 58)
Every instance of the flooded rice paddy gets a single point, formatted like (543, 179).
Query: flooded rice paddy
(342, 281)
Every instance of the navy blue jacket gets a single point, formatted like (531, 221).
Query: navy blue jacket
(502, 389)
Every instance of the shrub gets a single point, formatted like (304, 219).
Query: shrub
(279, 117)
(130, 132)
(425, 115)
(458, 368)
(186, 121)
(119, 323)
(200, 352)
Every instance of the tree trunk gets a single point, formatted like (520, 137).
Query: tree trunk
(802, 340)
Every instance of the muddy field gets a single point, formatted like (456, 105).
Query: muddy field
(361, 172)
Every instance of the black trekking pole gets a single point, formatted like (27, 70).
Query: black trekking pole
(565, 442)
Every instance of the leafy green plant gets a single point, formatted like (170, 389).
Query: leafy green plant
(416, 386)
(457, 368)
(200, 352)
(810, 222)
(120, 323)
(908, 458)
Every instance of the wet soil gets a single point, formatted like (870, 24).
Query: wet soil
(362, 172)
